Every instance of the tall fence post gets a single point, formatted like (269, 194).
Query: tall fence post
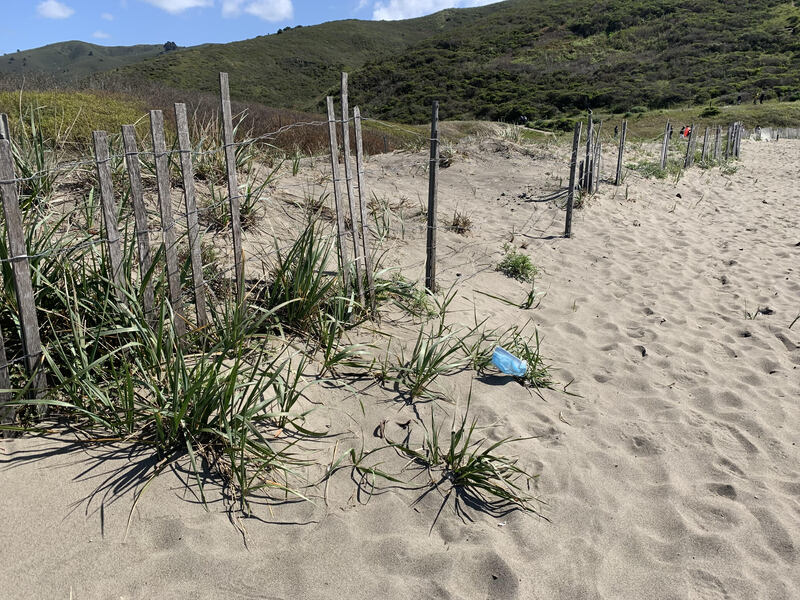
(187, 173)
(717, 143)
(665, 146)
(351, 195)
(362, 203)
(576, 142)
(433, 170)
(140, 218)
(109, 211)
(344, 263)
(5, 134)
(689, 160)
(233, 183)
(623, 134)
(705, 145)
(18, 256)
(167, 221)
(598, 157)
(728, 142)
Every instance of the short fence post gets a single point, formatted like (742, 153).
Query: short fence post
(351, 195)
(586, 180)
(6, 412)
(717, 143)
(5, 134)
(598, 157)
(728, 142)
(109, 210)
(665, 146)
(187, 173)
(618, 178)
(233, 184)
(140, 217)
(689, 160)
(18, 256)
(705, 145)
(576, 141)
(344, 263)
(167, 221)
(430, 262)
(362, 202)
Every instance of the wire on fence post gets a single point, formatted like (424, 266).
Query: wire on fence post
(167, 222)
(430, 260)
(576, 142)
(351, 195)
(233, 184)
(18, 252)
(140, 218)
(187, 173)
(344, 263)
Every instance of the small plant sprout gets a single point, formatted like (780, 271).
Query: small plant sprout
(517, 265)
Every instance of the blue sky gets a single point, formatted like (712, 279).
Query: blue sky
(32, 23)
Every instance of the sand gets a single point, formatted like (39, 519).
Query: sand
(671, 472)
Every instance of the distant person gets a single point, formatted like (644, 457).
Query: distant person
(523, 120)
(761, 98)
(739, 99)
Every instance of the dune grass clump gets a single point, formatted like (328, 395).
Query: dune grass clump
(517, 265)
(462, 223)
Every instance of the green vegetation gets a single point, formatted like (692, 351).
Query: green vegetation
(517, 265)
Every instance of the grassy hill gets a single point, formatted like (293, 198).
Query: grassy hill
(293, 69)
(70, 61)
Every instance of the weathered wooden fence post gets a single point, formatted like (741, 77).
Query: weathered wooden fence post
(665, 146)
(351, 195)
(233, 182)
(140, 218)
(728, 142)
(167, 221)
(344, 262)
(717, 143)
(20, 265)
(109, 211)
(187, 173)
(362, 203)
(5, 134)
(587, 163)
(705, 145)
(689, 160)
(598, 157)
(576, 142)
(430, 262)
(623, 134)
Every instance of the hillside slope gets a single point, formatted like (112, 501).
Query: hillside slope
(68, 61)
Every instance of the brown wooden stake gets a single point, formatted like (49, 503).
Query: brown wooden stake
(622, 136)
(18, 256)
(665, 146)
(187, 172)
(433, 170)
(362, 202)
(689, 160)
(233, 184)
(576, 141)
(344, 261)
(351, 195)
(167, 221)
(140, 218)
(580, 175)
(109, 211)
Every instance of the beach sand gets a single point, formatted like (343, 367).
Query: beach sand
(671, 469)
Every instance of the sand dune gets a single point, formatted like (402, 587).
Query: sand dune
(669, 472)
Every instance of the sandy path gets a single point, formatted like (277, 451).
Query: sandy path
(672, 474)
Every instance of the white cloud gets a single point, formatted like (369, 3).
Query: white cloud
(53, 9)
(268, 10)
(394, 10)
(107, 17)
(362, 4)
(178, 6)
(101, 35)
